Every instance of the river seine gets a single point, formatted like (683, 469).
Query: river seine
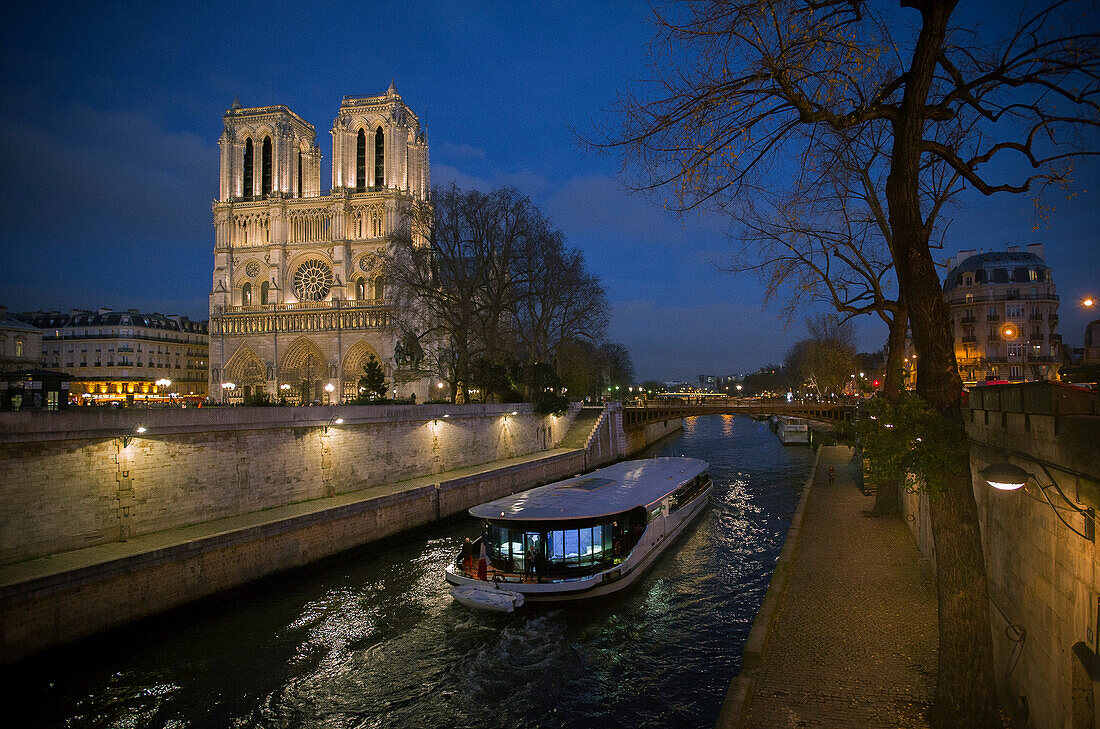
(373, 639)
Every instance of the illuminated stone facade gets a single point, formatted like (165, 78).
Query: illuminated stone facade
(120, 355)
(1005, 315)
(298, 302)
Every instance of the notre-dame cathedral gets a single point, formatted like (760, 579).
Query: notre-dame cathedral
(298, 301)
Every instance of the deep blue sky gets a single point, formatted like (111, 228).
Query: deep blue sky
(110, 115)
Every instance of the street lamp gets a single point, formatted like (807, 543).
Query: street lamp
(1006, 476)
(1088, 302)
(227, 388)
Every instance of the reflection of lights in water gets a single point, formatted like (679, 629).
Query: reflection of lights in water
(375, 634)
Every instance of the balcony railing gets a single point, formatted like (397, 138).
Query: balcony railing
(969, 319)
(306, 306)
(960, 298)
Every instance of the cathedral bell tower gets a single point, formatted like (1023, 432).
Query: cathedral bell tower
(377, 143)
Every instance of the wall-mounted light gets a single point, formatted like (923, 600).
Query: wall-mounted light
(1006, 476)
(334, 420)
(136, 430)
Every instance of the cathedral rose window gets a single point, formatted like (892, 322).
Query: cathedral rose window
(252, 269)
(312, 280)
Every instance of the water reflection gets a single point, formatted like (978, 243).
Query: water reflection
(374, 640)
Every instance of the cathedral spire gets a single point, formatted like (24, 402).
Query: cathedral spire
(392, 90)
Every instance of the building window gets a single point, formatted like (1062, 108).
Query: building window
(265, 289)
(247, 191)
(360, 290)
(361, 161)
(18, 347)
(1014, 372)
(379, 158)
(1016, 350)
(265, 170)
(379, 288)
(300, 173)
(1033, 275)
(970, 298)
(246, 293)
(968, 279)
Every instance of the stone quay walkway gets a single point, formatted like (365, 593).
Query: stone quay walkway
(849, 638)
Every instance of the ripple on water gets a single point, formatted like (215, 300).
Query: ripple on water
(373, 639)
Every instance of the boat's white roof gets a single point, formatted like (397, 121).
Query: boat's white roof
(610, 490)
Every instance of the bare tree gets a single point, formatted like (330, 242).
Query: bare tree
(746, 97)
(492, 289)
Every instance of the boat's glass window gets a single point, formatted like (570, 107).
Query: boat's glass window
(579, 547)
(655, 511)
(687, 493)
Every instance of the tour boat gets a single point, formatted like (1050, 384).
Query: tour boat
(582, 537)
(793, 431)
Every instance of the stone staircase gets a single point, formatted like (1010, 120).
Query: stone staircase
(579, 432)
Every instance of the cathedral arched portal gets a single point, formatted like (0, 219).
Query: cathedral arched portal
(305, 368)
(246, 370)
(355, 362)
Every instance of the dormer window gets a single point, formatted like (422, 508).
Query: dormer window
(968, 279)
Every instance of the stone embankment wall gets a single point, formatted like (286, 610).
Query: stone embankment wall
(60, 607)
(69, 481)
(1044, 580)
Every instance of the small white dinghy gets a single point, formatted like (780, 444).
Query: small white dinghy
(485, 598)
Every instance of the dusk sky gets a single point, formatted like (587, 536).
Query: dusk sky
(111, 113)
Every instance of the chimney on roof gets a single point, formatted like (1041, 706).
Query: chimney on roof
(1014, 249)
(962, 256)
(1037, 249)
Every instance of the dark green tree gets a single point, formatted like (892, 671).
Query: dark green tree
(372, 385)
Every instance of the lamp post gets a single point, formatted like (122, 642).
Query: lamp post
(328, 392)
(227, 388)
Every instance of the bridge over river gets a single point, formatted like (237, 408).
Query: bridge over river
(645, 413)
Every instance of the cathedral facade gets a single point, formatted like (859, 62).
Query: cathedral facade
(298, 303)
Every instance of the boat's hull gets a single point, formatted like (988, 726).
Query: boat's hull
(659, 534)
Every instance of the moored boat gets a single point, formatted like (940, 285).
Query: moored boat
(585, 536)
(793, 431)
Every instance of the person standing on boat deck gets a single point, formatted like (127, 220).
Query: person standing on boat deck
(483, 562)
(529, 562)
(468, 556)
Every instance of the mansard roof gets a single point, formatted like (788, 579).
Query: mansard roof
(78, 318)
(996, 267)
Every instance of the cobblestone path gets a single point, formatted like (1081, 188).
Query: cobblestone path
(853, 641)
